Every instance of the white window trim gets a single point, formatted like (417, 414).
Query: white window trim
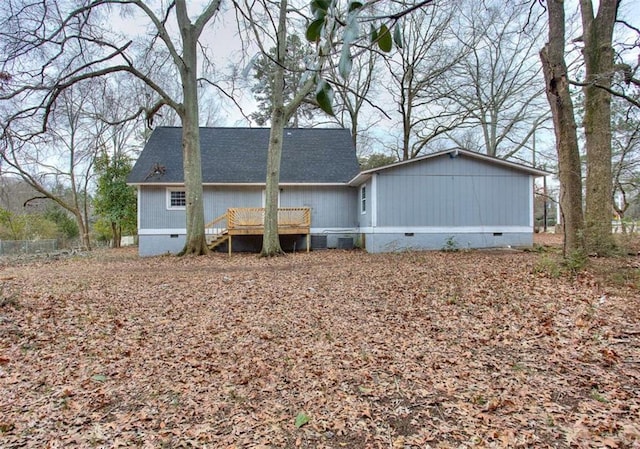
(363, 199)
(168, 198)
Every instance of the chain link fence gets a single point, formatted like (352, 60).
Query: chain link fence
(14, 247)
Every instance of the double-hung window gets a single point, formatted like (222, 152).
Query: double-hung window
(363, 199)
(176, 199)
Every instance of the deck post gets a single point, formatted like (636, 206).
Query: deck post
(308, 242)
(229, 245)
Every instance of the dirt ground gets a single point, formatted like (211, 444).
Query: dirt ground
(332, 349)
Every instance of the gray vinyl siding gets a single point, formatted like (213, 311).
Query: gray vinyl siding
(453, 192)
(364, 219)
(154, 213)
(331, 206)
(220, 198)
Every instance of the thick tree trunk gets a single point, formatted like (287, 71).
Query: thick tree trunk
(271, 240)
(116, 235)
(598, 57)
(83, 230)
(196, 243)
(569, 170)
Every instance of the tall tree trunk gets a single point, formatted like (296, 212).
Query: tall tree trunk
(116, 235)
(569, 170)
(83, 230)
(271, 239)
(598, 57)
(196, 243)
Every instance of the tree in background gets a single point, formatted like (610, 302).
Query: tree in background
(376, 160)
(115, 201)
(58, 163)
(26, 226)
(356, 106)
(53, 45)
(418, 72)
(498, 84)
(297, 55)
(626, 159)
(67, 226)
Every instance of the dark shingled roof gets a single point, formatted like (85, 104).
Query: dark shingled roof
(239, 155)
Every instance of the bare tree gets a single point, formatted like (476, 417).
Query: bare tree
(355, 96)
(599, 70)
(62, 157)
(498, 84)
(71, 47)
(626, 157)
(418, 71)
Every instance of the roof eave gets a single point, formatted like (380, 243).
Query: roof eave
(363, 176)
(241, 184)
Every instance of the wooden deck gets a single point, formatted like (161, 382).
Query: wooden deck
(250, 221)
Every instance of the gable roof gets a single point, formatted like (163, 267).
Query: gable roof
(239, 156)
(365, 175)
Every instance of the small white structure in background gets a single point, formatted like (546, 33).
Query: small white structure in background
(127, 240)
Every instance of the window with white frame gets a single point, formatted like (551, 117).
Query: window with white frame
(176, 199)
(363, 199)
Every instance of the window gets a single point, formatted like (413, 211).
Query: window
(176, 199)
(363, 199)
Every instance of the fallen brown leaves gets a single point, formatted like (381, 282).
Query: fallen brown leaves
(480, 349)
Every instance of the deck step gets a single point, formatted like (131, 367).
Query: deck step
(218, 239)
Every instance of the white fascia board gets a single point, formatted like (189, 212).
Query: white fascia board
(359, 179)
(445, 229)
(156, 184)
(244, 184)
(363, 176)
(164, 231)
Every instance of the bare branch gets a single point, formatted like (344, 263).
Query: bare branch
(613, 92)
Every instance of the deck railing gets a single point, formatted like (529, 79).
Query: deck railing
(250, 217)
(211, 228)
(250, 221)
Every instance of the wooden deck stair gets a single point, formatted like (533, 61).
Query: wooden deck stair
(216, 232)
(215, 240)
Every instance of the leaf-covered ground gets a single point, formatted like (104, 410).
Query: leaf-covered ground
(323, 350)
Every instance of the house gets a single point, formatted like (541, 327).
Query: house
(453, 198)
(317, 165)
